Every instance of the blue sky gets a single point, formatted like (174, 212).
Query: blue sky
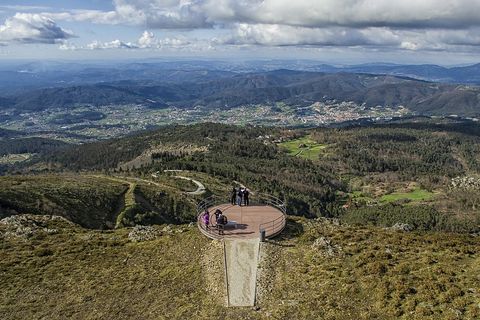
(443, 32)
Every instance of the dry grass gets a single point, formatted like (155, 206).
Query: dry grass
(380, 274)
(373, 273)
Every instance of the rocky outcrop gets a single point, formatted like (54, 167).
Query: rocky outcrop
(465, 183)
(402, 227)
(326, 247)
(144, 233)
(25, 226)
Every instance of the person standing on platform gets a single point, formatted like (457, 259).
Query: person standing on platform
(240, 196)
(206, 219)
(246, 193)
(233, 199)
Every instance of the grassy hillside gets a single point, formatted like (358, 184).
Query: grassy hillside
(315, 270)
(343, 272)
(227, 152)
(95, 201)
(86, 200)
(79, 274)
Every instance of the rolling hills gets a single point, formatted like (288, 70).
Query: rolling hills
(296, 88)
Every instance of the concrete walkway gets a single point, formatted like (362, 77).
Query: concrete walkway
(241, 259)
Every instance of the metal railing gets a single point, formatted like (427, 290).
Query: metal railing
(274, 227)
(271, 228)
(203, 205)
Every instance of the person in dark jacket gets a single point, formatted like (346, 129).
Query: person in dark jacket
(233, 199)
(217, 214)
(240, 196)
(221, 222)
(246, 193)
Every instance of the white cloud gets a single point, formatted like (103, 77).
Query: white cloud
(347, 13)
(115, 44)
(146, 41)
(409, 45)
(164, 14)
(93, 16)
(403, 24)
(467, 40)
(284, 35)
(169, 14)
(24, 8)
(66, 46)
(32, 28)
(187, 14)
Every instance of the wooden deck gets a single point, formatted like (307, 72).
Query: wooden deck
(248, 221)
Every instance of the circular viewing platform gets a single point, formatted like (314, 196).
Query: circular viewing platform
(264, 212)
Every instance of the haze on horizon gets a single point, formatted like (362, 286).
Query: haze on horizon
(333, 31)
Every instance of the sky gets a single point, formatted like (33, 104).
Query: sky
(445, 32)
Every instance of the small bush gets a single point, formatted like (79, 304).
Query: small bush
(43, 252)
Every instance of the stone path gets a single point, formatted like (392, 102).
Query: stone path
(241, 259)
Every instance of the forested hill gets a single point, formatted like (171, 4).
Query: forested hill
(233, 153)
(317, 171)
(96, 95)
(297, 88)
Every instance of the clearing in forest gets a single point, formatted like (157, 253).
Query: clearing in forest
(417, 194)
(303, 147)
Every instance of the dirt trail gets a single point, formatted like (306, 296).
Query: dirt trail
(125, 201)
(241, 259)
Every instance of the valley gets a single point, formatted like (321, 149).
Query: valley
(121, 120)
(91, 111)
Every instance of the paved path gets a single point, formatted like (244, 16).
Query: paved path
(200, 187)
(241, 259)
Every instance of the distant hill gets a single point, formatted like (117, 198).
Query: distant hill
(297, 88)
(429, 72)
(96, 95)
(5, 133)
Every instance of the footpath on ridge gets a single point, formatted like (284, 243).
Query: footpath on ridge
(241, 260)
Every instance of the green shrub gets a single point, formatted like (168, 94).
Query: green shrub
(418, 217)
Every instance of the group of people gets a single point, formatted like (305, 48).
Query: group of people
(240, 196)
(220, 220)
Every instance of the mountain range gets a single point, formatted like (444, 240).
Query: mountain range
(296, 88)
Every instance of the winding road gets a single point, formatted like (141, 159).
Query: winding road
(200, 187)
